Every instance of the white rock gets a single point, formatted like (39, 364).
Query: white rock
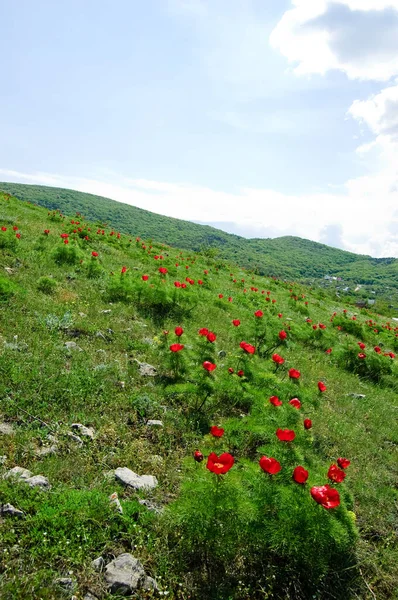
(38, 481)
(115, 503)
(98, 564)
(6, 429)
(154, 423)
(83, 430)
(146, 370)
(18, 473)
(73, 346)
(10, 510)
(125, 574)
(131, 479)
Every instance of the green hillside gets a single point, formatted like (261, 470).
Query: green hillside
(261, 413)
(286, 257)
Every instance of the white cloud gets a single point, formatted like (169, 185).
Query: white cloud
(365, 211)
(379, 112)
(358, 37)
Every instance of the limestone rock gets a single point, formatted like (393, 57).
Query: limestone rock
(73, 346)
(98, 564)
(154, 423)
(83, 430)
(125, 574)
(6, 429)
(18, 473)
(131, 479)
(10, 511)
(38, 481)
(145, 369)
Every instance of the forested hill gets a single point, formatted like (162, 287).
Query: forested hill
(287, 257)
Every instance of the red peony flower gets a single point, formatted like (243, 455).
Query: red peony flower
(178, 331)
(300, 475)
(259, 313)
(18, 235)
(278, 359)
(46, 231)
(95, 254)
(343, 463)
(230, 299)
(377, 349)
(282, 335)
(326, 496)
(280, 315)
(221, 295)
(294, 374)
(220, 464)
(211, 337)
(230, 370)
(270, 465)
(275, 401)
(176, 347)
(307, 423)
(361, 345)
(329, 351)
(209, 366)
(361, 355)
(124, 269)
(145, 277)
(240, 373)
(295, 402)
(216, 431)
(204, 331)
(335, 474)
(5, 229)
(321, 386)
(15, 228)
(198, 456)
(248, 348)
(162, 270)
(285, 435)
(64, 235)
(315, 327)
(236, 322)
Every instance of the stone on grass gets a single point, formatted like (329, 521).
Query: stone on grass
(6, 429)
(131, 479)
(154, 423)
(151, 506)
(73, 346)
(145, 369)
(27, 476)
(3, 459)
(125, 574)
(66, 582)
(89, 596)
(83, 430)
(115, 503)
(75, 438)
(358, 396)
(38, 481)
(98, 564)
(45, 451)
(18, 473)
(10, 511)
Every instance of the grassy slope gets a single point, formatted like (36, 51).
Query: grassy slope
(43, 389)
(289, 257)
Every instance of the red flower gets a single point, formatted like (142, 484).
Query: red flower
(163, 270)
(178, 331)
(294, 374)
(322, 326)
(230, 370)
(361, 345)
(377, 349)
(247, 347)
(295, 402)
(270, 465)
(176, 347)
(329, 351)
(211, 336)
(282, 335)
(64, 235)
(278, 359)
(361, 355)
(259, 313)
(208, 366)
(95, 254)
(198, 456)
(280, 315)
(220, 464)
(326, 496)
(300, 475)
(240, 373)
(204, 331)
(230, 299)
(46, 231)
(307, 423)
(15, 228)
(321, 386)
(66, 241)
(216, 431)
(5, 229)
(315, 327)
(335, 474)
(145, 277)
(285, 435)
(275, 401)
(200, 282)
(124, 269)
(236, 322)
(18, 235)
(220, 295)
(343, 463)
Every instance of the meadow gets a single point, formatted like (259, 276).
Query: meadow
(265, 411)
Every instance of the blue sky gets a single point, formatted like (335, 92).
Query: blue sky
(263, 118)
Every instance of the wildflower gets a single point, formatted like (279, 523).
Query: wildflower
(259, 313)
(216, 431)
(321, 386)
(219, 464)
(278, 359)
(335, 474)
(162, 270)
(270, 465)
(15, 228)
(124, 269)
(198, 456)
(361, 355)
(46, 232)
(280, 315)
(18, 235)
(275, 401)
(329, 351)
(248, 348)
(236, 322)
(211, 337)
(307, 423)
(343, 463)
(178, 331)
(326, 496)
(94, 254)
(176, 347)
(282, 335)
(221, 295)
(240, 373)
(208, 366)
(204, 331)
(377, 349)
(300, 475)
(285, 435)
(295, 402)
(294, 374)
(4, 229)
(230, 370)
(361, 345)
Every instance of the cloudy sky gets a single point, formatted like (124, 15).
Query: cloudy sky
(261, 117)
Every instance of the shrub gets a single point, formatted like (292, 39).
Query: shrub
(66, 255)
(47, 285)
(7, 289)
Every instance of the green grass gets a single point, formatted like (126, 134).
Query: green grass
(249, 536)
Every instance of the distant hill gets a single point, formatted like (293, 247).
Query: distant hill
(287, 257)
